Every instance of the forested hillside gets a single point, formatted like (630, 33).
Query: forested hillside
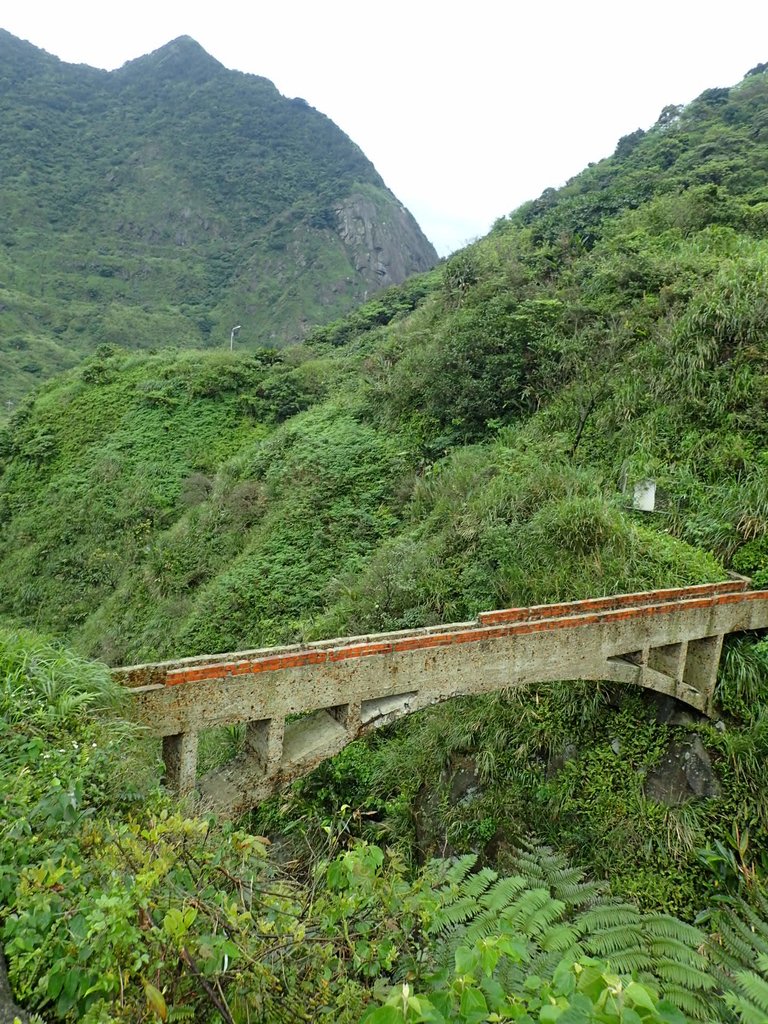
(468, 440)
(456, 444)
(165, 202)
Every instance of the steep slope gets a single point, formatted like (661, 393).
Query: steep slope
(467, 440)
(164, 202)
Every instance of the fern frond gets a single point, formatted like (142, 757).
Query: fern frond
(740, 937)
(542, 866)
(578, 894)
(673, 949)
(737, 940)
(501, 894)
(752, 930)
(460, 868)
(614, 939)
(664, 926)
(561, 939)
(608, 915)
(453, 915)
(181, 1013)
(692, 1004)
(630, 960)
(750, 998)
(460, 894)
(687, 975)
(528, 914)
(476, 884)
(541, 920)
(754, 988)
(523, 913)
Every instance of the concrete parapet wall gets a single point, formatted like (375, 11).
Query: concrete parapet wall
(667, 640)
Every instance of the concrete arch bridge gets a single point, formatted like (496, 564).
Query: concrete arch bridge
(665, 640)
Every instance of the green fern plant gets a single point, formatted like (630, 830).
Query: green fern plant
(738, 949)
(556, 913)
(750, 998)
(176, 1013)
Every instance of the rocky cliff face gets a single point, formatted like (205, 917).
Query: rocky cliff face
(384, 242)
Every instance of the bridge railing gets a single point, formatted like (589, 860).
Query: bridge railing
(613, 603)
(317, 652)
(666, 640)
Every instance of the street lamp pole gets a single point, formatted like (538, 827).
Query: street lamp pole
(232, 337)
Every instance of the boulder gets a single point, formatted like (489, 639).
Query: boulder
(685, 772)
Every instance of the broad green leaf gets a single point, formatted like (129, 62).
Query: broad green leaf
(338, 877)
(489, 957)
(466, 960)
(384, 1015)
(638, 995)
(549, 1014)
(426, 1011)
(473, 1006)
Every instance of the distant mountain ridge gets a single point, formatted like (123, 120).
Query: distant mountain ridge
(168, 200)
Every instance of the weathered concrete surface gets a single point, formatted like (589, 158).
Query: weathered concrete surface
(668, 641)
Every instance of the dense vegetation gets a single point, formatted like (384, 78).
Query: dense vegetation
(470, 440)
(119, 908)
(169, 200)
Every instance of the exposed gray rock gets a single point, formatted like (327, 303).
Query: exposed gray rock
(9, 1011)
(459, 785)
(670, 711)
(384, 242)
(466, 786)
(685, 771)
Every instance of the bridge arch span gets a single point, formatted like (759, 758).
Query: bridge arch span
(304, 703)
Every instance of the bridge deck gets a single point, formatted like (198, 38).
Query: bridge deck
(667, 640)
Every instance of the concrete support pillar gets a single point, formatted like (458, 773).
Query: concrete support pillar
(180, 757)
(701, 664)
(264, 738)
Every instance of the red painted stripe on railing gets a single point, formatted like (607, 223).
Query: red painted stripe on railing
(549, 611)
(491, 631)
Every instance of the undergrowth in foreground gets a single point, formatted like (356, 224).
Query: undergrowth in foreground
(117, 907)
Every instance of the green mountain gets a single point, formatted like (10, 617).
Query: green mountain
(167, 201)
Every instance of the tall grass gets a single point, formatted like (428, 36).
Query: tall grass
(742, 684)
(50, 685)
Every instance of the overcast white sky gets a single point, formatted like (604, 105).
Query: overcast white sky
(468, 109)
